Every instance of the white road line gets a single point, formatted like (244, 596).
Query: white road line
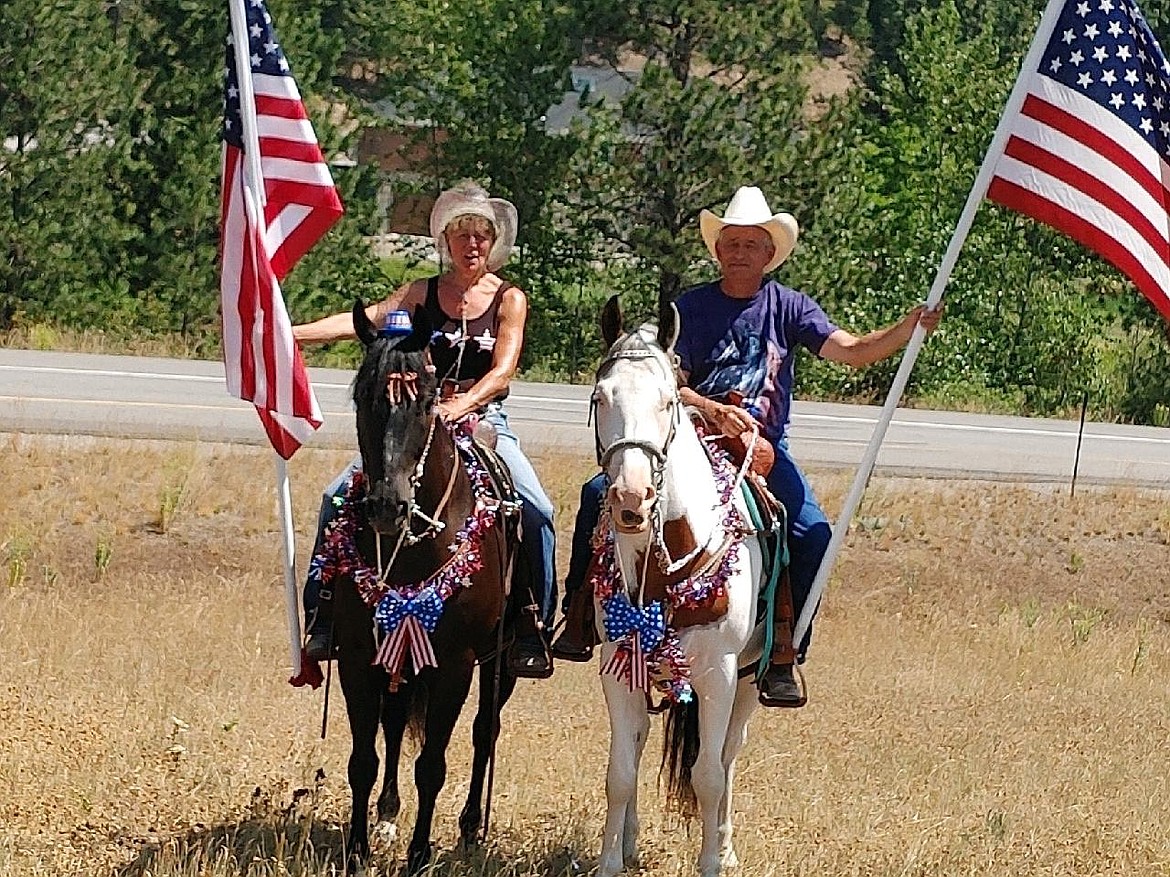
(173, 376)
(58, 400)
(1006, 430)
(569, 403)
(111, 373)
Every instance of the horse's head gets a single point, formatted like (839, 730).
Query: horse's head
(394, 392)
(636, 409)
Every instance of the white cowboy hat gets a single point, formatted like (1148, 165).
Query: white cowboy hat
(748, 207)
(468, 199)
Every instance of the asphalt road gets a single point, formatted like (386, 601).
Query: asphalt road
(137, 397)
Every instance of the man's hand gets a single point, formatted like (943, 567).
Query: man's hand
(730, 420)
(927, 318)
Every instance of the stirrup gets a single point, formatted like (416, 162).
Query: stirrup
(525, 661)
(787, 703)
(319, 647)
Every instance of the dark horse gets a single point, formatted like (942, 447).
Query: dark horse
(417, 497)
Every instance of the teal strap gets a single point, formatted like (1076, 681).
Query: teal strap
(774, 565)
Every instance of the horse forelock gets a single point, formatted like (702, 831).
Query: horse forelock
(379, 412)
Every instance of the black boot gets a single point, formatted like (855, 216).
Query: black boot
(577, 638)
(778, 687)
(319, 646)
(529, 657)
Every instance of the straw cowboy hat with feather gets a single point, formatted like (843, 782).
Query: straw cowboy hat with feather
(749, 207)
(469, 199)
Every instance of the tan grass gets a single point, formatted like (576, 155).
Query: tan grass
(988, 689)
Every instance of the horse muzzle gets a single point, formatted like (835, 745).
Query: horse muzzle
(385, 512)
(630, 509)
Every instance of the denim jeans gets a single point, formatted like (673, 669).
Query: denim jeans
(536, 515)
(808, 531)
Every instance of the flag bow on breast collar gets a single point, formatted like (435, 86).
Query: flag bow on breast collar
(638, 631)
(406, 624)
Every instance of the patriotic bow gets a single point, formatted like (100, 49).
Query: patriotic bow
(406, 624)
(638, 631)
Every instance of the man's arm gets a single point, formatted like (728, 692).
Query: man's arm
(849, 349)
(728, 419)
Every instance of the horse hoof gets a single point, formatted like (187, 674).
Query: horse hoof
(729, 859)
(417, 859)
(384, 835)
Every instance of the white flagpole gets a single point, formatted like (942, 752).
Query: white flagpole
(255, 200)
(291, 601)
(865, 468)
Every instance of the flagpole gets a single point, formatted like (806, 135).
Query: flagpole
(291, 603)
(254, 197)
(982, 180)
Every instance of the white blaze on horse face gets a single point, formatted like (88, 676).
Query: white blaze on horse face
(633, 406)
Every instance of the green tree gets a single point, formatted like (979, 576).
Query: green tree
(66, 235)
(717, 104)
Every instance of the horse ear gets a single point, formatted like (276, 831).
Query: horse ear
(611, 321)
(420, 330)
(363, 325)
(668, 326)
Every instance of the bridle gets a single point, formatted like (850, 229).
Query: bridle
(656, 454)
(403, 386)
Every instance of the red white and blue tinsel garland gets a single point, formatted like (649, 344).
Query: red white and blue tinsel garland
(648, 650)
(406, 616)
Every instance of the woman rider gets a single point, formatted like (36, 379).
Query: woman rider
(479, 323)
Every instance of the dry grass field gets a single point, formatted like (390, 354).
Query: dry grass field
(988, 682)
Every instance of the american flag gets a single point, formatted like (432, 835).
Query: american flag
(1088, 151)
(259, 247)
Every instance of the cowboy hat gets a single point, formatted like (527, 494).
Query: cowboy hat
(468, 199)
(748, 207)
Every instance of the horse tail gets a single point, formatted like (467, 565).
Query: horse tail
(416, 710)
(680, 750)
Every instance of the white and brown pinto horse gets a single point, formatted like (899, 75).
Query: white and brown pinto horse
(669, 520)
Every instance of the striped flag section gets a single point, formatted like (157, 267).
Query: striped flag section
(1087, 153)
(260, 245)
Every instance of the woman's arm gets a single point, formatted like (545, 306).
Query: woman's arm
(339, 327)
(513, 315)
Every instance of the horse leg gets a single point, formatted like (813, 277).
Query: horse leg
(715, 689)
(630, 834)
(484, 732)
(362, 687)
(629, 725)
(395, 712)
(746, 701)
(448, 690)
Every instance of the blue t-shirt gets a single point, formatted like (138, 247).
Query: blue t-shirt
(748, 345)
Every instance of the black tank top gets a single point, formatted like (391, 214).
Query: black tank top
(478, 344)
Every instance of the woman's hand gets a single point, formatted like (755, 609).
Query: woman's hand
(452, 408)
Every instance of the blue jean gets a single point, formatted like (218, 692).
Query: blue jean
(536, 514)
(808, 531)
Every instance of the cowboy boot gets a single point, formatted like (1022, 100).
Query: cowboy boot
(576, 640)
(529, 657)
(319, 646)
(778, 686)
